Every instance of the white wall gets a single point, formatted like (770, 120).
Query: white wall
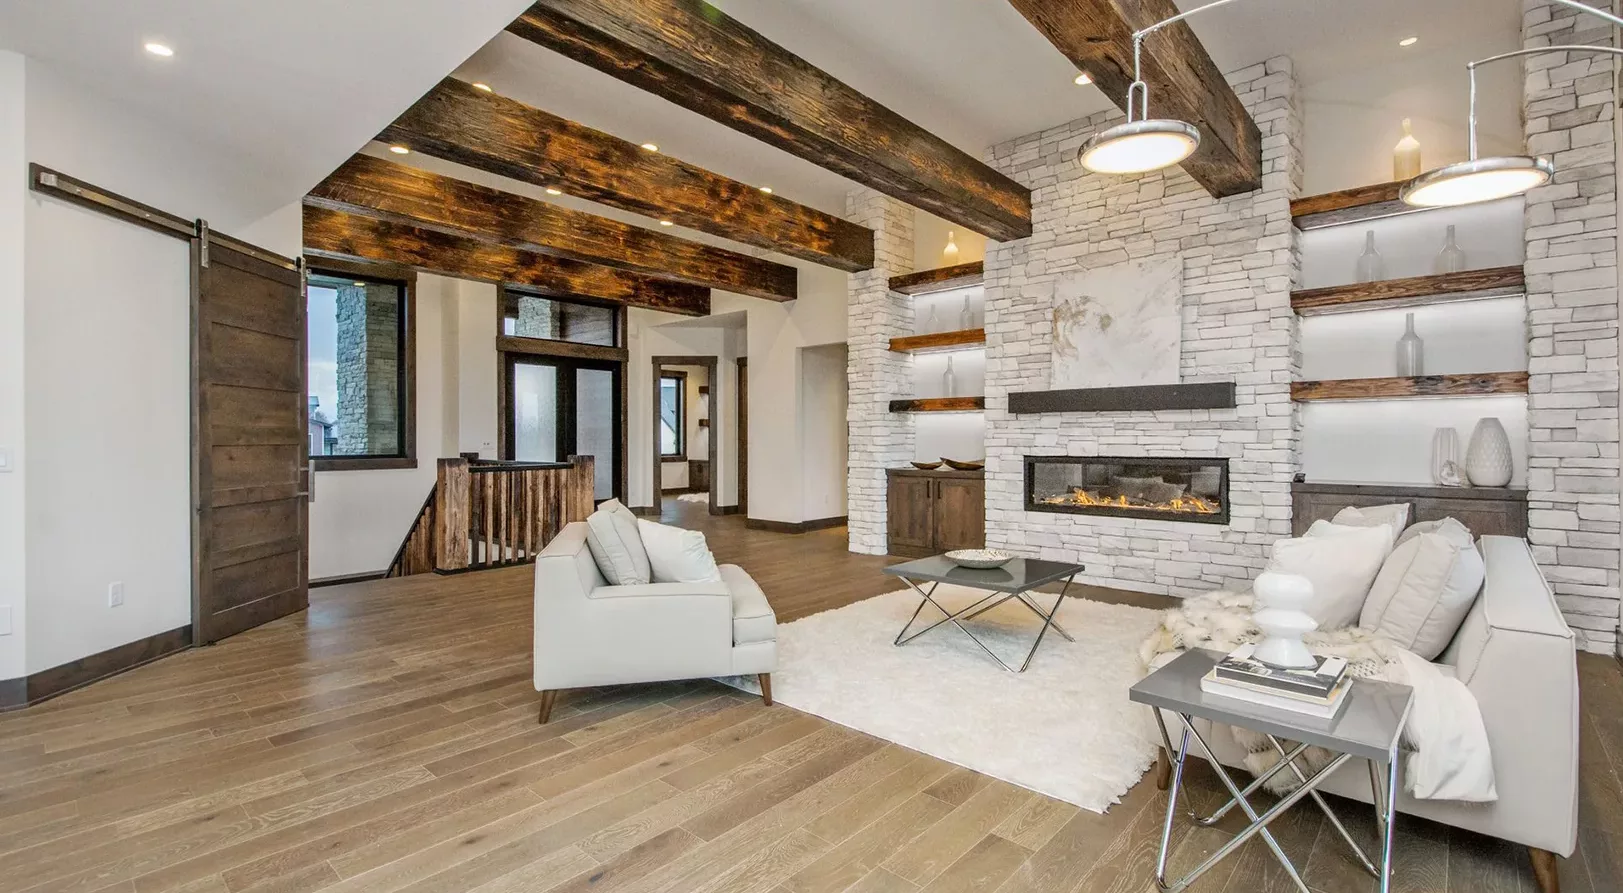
(477, 375)
(105, 314)
(13, 195)
(823, 431)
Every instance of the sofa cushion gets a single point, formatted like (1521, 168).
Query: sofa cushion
(1425, 589)
(1394, 516)
(1453, 528)
(611, 534)
(677, 555)
(753, 620)
(1341, 562)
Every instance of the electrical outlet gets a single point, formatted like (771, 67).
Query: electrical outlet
(115, 594)
(5, 460)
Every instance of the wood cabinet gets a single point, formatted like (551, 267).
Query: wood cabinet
(931, 512)
(1487, 511)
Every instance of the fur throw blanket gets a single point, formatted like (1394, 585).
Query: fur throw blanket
(1448, 742)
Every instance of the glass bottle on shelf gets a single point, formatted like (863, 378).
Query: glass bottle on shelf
(1411, 351)
(932, 323)
(1370, 267)
(949, 254)
(1406, 155)
(966, 316)
(1451, 259)
(949, 381)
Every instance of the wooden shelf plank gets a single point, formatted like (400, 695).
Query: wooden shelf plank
(1414, 290)
(1348, 205)
(939, 404)
(940, 279)
(938, 341)
(1477, 385)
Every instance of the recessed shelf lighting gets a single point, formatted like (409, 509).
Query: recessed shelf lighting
(1083, 79)
(400, 150)
(552, 191)
(159, 49)
(1408, 41)
(666, 223)
(480, 85)
(767, 189)
(652, 147)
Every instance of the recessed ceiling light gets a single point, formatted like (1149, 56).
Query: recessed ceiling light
(767, 189)
(360, 283)
(666, 223)
(480, 85)
(552, 191)
(1083, 79)
(650, 147)
(400, 150)
(159, 49)
(1408, 41)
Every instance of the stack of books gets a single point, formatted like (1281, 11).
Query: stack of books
(1319, 691)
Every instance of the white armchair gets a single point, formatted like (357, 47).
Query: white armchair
(588, 633)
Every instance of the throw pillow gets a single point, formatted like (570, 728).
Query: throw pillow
(1395, 516)
(1454, 529)
(677, 555)
(1341, 566)
(611, 534)
(1425, 589)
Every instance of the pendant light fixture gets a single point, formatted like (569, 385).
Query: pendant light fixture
(1486, 179)
(1143, 144)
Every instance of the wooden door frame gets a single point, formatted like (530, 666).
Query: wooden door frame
(658, 363)
(567, 362)
(741, 451)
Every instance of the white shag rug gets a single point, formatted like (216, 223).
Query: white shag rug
(1064, 727)
(693, 497)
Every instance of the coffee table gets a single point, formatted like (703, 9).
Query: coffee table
(1013, 581)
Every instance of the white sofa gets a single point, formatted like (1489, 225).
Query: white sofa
(1517, 656)
(588, 633)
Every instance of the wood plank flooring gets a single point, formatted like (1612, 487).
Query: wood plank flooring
(386, 740)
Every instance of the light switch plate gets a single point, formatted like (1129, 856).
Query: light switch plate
(115, 594)
(5, 459)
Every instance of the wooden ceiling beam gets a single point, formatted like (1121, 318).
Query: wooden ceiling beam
(353, 237)
(698, 57)
(460, 123)
(1184, 82)
(415, 197)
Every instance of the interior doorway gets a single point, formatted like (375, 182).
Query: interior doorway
(742, 453)
(672, 431)
(559, 407)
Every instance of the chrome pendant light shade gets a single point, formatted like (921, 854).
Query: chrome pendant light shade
(1479, 180)
(1139, 147)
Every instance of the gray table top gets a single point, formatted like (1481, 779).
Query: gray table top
(1368, 726)
(1018, 575)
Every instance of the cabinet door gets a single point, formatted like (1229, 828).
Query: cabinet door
(960, 514)
(911, 511)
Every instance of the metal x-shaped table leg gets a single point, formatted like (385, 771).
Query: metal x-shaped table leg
(979, 607)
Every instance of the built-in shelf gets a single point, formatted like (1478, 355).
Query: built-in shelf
(1477, 385)
(1349, 205)
(939, 404)
(938, 341)
(940, 279)
(1468, 285)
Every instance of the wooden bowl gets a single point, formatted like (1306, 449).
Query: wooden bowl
(975, 465)
(926, 466)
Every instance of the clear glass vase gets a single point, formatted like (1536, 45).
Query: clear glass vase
(966, 316)
(1411, 351)
(1451, 259)
(949, 381)
(1370, 266)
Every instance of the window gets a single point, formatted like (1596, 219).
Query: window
(530, 316)
(358, 375)
(673, 415)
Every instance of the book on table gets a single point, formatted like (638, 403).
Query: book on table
(1242, 695)
(1316, 682)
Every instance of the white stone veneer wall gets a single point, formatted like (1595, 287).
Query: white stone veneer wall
(1570, 103)
(879, 438)
(1239, 265)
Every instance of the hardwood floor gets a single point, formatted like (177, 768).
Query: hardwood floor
(386, 740)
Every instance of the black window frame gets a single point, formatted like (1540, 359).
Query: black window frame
(406, 369)
(681, 378)
(511, 293)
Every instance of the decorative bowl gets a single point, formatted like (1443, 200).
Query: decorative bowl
(979, 559)
(926, 466)
(973, 465)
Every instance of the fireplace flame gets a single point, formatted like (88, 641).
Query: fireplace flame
(1189, 505)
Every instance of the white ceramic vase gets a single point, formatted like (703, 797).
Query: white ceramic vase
(1487, 459)
(1281, 600)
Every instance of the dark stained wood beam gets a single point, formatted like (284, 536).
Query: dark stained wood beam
(1472, 385)
(502, 136)
(698, 57)
(1184, 82)
(378, 188)
(353, 237)
(939, 279)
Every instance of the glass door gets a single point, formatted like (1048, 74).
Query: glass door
(559, 407)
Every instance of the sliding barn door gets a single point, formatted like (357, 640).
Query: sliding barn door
(252, 530)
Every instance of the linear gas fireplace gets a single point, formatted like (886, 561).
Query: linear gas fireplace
(1194, 490)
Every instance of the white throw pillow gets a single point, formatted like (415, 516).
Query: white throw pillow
(1454, 529)
(1425, 589)
(611, 534)
(1341, 563)
(677, 555)
(1394, 515)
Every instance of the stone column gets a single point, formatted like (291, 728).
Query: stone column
(368, 370)
(536, 318)
(879, 439)
(1569, 103)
